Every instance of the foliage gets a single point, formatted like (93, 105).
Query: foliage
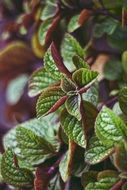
(78, 55)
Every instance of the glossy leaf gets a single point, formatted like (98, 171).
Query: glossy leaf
(73, 104)
(50, 100)
(83, 77)
(73, 128)
(110, 129)
(97, 151)
(50, 65)
(69, 48)
(40, 80)
(12, 174)
(32, 147)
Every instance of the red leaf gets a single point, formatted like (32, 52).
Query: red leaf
(58, 60)
(57, 104)
(84, 16)
(41, 180)
(51, 29)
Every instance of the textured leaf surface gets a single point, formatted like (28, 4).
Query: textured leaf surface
(12, 174)
(50, 100)
(73, 128)
(92, 95)
(103, 184)
(117, 38)
(107, 26)
(48, 12)
(39, 80)
(73, 24)
(66, 163)
(88, 177)
(73, 104)
(34, 148)
(123, 100)
(43, 31)
(80, 63)
(69, 48)
(120, 156)
(96, 151)
(45, 128)
(110, 129)
(50, 65)
(83, 76)
(67, 85)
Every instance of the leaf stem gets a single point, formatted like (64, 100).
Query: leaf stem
(118, 185)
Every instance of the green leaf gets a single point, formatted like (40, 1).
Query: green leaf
(43, 31)
(92, 94)
(113, 70)
(73, 24)
(83, 76)
(50, 66)
(73, 104)
(48, 12)
(50, 100)
(80, 62)
(123, 100)
(124, 61)
(97, 151)
(107, 25)
(110, 129)
(103, 184)
(12, 174)
(55, 183)
(119, 157)
(88, 177)
(73, 128)
(66, 163)
(46, 128)
(117, 38)
(33, 148)
(69, 48)
(1, 178)
(40, 80)
(67, 85)
(16, 85)
(110, 4)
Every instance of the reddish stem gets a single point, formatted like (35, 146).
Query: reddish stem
(118, 185)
